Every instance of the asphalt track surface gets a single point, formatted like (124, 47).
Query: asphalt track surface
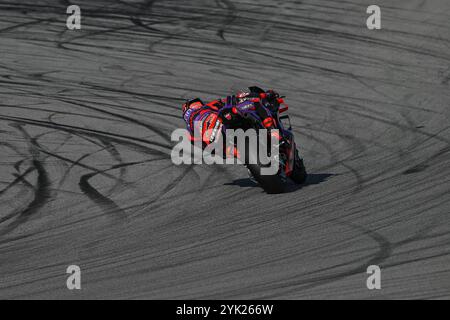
(86, 176)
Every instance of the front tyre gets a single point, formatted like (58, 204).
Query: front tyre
(272, 184)
(299, 174)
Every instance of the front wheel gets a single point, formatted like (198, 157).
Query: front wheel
(299, 174)
(272, 184)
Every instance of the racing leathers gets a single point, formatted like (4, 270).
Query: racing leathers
(205, 120)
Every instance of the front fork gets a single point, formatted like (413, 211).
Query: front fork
(286, 153)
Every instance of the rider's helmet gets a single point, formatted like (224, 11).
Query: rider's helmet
(248, 94)
(270, 98)
(242, 96)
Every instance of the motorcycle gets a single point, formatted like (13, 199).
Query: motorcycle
(264, 114)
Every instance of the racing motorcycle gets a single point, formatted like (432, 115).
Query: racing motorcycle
(265, 110)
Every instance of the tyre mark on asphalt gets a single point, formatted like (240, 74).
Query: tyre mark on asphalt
(42, 193)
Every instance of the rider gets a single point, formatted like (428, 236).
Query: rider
(207, 119)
